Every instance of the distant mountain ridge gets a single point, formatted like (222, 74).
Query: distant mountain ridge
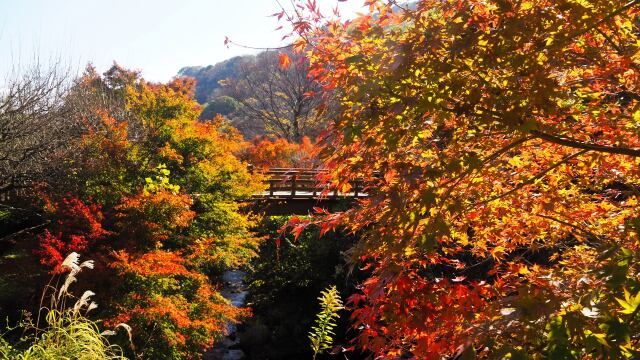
(208, 77)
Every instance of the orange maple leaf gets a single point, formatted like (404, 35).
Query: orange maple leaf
(285, 61)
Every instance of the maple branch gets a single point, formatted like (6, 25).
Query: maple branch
(485, 161)
(538, 176)
(569, 142)
(10, 208)
(395, 3)
(506, 148)
(616, 47)
(566, 223)
(606, 18)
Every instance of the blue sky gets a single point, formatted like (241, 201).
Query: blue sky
(155, 36)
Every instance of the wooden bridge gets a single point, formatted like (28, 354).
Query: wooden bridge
(295, 191)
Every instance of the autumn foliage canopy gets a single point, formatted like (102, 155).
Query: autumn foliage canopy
(507, 133)
(264, 153)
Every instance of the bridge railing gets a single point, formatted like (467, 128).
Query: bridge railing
(304, 183)
(12, 195)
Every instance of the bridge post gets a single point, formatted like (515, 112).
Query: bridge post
(293, 185)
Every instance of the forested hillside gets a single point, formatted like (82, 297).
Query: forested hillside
(260, 97)
(208, 77)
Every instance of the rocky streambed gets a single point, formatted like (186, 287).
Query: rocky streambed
(236, 292)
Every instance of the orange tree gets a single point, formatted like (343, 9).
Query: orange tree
(263, 153)
(505, 222)
(154, 196)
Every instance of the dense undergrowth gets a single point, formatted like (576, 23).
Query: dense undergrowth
(284, 283)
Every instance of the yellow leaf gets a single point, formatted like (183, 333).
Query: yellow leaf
(409, 251)
(497, 251)
(524, 270)
(526, 5)
(542, 58)
(464, 239)
(515, 161)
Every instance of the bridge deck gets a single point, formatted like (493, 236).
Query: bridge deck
(298, 206)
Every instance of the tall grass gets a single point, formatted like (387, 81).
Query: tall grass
(65, 332)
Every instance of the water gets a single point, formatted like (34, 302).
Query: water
(235, 291)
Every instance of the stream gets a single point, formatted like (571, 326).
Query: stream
(235, 291)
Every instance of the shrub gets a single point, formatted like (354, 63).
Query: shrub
(173, 308)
